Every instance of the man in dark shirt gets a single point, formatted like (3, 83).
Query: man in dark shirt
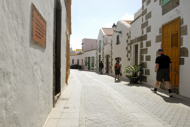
(101, 66)
(163, 66)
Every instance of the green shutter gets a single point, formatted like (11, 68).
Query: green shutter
(163, 2)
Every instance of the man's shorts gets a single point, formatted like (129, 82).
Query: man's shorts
(163, 74)
(117, 72)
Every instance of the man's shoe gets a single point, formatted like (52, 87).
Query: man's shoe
(170, 95)
(152, 89)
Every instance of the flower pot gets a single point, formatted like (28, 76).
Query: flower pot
(134, 79)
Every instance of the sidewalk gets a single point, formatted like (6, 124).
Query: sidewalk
(66, 111)
(93, 100)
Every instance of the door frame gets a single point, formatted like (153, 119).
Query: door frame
(89, 63)
(99, 62)
(57, 51)
(107, 64)
(166, 24)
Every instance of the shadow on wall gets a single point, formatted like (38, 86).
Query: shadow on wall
(32, 45)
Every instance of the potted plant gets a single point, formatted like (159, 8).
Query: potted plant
(133, 72)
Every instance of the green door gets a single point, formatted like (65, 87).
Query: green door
(88, 63)
(99, 61)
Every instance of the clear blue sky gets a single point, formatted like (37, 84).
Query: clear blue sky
(89, 16)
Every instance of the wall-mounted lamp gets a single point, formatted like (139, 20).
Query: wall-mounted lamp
(114, 27)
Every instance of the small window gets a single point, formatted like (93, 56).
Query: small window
(163, 2)
(117, 40)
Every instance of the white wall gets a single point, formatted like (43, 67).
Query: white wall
(76, 57)
(120, 49)
(100, 38)
(135, 33)
(26, 70)
(90, 54)
(107, 51)
(89, 44)
(138, 13)
(156, 22)
(184, 86)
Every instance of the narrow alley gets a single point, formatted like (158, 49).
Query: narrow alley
(94, 100)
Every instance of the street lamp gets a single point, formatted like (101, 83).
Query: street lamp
(114, 27)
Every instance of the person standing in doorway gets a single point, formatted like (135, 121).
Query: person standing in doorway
(101, 66)
(163, 67)
(117, 69)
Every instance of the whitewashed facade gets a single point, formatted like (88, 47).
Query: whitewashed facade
(88, 57)
(164, 24)
(120, 45)
(104, 49)
(26, 69)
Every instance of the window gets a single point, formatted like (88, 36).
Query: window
(117, 41)
(78, 62)
(99, 46)
(163, 2)
(72, 61)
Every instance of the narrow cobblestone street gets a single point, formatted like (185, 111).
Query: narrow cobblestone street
(94, 100)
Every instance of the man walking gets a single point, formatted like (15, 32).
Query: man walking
(101, 66)
(163, 67)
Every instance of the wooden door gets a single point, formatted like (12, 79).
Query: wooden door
(171, 47)
(107, 63)
(99, 61)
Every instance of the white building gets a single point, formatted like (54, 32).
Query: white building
(164, 24)
(104, 49)
(33, 59)
(88, 57)
(120, 40)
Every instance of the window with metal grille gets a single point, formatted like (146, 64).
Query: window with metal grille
(174, 40)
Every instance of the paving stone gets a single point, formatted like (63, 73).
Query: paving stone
(96, 101)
